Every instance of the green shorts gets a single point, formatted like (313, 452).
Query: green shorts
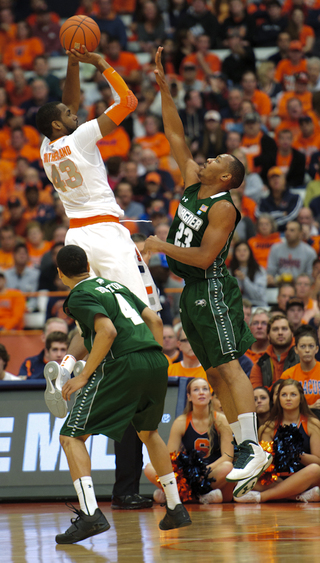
(212, 318)
(128, 389)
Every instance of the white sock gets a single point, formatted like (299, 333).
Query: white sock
(170, 488)
(248, 425)
(236, 431)
(85, 491)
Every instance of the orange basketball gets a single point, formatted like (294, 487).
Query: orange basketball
(80, 30)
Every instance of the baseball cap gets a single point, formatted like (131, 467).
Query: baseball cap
(305, 118)
(295, 45)
(212, 114)
(13, 202)
(158, 259)
(294, 301)
(252, 117)
(274, 171)
(221, 75)
(301, 77)
(153, 177)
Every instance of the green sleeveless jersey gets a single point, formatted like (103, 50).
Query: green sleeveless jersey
(187, 230)
(120, 305)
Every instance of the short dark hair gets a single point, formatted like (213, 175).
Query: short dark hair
(278, 317)
(20, 245)
(138, 237)
(56, 336)
(45, 116)
(72, 260)
(237, 169)
(306, 330)
(4, 355)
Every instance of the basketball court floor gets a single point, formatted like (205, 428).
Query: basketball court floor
(230, 533)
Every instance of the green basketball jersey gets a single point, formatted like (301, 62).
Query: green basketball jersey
(123, 308)
(187, 229)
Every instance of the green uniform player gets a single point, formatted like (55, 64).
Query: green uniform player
(123, 380)
(211, 305)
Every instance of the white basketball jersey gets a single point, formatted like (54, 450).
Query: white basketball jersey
(74, 166)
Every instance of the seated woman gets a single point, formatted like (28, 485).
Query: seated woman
(203, 429)
(262, 401)
(251, 277)
(295, 433)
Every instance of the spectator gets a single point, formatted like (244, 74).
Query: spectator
(295, 310)
(231, 116)
(262, 401)
(212, 142)
(303, 292)
(41, 70)
(294, 111)
(47, 31)
(4, 359)
(7, 244)
(48, 269)
(124, 62)
(247, 310)
(260, 100)
(110, 23)
(40, 96)
(283, 44)
(33, 366)
(151, 30)
(252, 186)
(252, 279)
(200, 20)
(12, 307)
(279, 356)
(266, 236)
(22, 50)
(281, 204)
(189, 366)
(160, 272)
(18, 88)
(124, 196)
(271, 23)
(36, 244)
(307, 371)
(308, 140)
(313, 66)
(258, 326)
(287, 68)
(315, 288)
(267, 83)
(300, 92)
(298, 30)
(245, 228)
(22, 276)
(291, 257)
(36, 211)
(305, 217)
(55, 349)
(291, 161)
(192, 118)
(285, 292)
(240, 20)
(260, 149)
(170, 345)
(18, 146)
(15, 219)
(241, 58)
(154, 139)
(206, 62)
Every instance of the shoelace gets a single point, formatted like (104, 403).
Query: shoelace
(73, 509)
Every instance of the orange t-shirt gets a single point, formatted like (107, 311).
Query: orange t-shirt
(17, 98)
(252, 148)
(254, 356)
(305, 99)
(261, 102)
(116, 143)
(285, 72)
(177, 370)
(284, 162)
(12, 307)
(30, 133)
(293, 125)
(261, 247)
(27, 151)
(211, 59)
(23, 52)
(248, 207)
(36, 254)
(306, 31)
(307, 145)
(158, 143)
(310, 381)
(6, 260)
(125, 63)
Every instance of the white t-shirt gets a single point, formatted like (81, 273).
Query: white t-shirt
(74, 165)
(10, 377)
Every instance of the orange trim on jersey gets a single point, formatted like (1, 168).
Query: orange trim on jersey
(56, 140)
(85, 221)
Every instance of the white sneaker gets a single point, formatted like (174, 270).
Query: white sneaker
(312, 495)
(159, 496)
(252, 461)
(78, 367)
(251, 497)
(213, 497)
(56, 378)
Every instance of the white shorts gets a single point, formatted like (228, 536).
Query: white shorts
(114, 256)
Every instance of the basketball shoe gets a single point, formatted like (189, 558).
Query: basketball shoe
(56, 377)
(176, 518)
(251, 462)
(84, 526)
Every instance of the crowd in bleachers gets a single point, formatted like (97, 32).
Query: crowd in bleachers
(245, 77)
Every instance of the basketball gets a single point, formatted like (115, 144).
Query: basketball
(80, 30)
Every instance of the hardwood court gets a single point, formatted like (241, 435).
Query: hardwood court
(268, 533)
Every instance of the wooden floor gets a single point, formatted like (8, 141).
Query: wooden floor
(268, 533)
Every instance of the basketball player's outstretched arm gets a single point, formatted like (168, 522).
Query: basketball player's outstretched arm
(173, 127)
(71, 89)
(125, 101)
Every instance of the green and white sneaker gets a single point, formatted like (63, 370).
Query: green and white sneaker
(56, 377)
(252, 461)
